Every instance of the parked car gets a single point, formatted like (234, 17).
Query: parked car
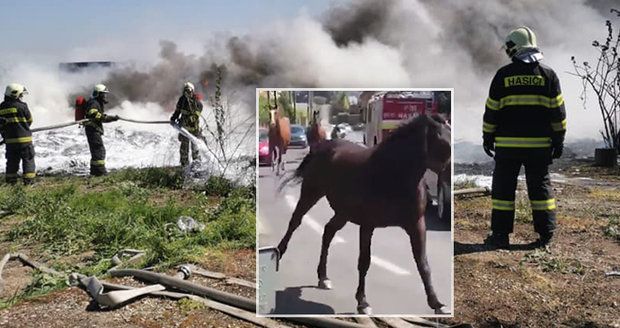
(345, 127)
(298, 136)
(263, 147)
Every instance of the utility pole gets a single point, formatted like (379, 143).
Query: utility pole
(309, 108)
(292, 97)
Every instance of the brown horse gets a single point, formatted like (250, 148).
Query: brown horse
(315, 133)
(374, 188)
(279, 139)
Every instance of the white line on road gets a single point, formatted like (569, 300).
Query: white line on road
(262, 228)
(389, 266)
(308, 220)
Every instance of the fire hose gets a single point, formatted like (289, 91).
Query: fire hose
(226, 298)
(143, 122)
(64, 125)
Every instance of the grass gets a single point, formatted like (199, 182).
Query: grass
(41, 284)
(612, 229)
(72, 216)
(523, 211)
(548, 263)
(465, 183)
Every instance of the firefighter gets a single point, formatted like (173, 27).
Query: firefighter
(524, 124)
(16, 133)
(187, 115)
(94, 128)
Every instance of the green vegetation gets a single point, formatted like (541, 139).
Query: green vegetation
(465, 183)
(133, 208)
(613, 228)
(41, 284)
(549, 263)
(523, 211)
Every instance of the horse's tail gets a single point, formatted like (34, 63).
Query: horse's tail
(297, 176)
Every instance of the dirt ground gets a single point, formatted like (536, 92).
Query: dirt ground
(564, 286)
(72, 307)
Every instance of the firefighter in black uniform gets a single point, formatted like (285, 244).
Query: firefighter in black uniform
(524, 123)
(94, 128)
(187, 115)
(16, 133)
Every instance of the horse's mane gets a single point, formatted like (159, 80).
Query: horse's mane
(402, 155)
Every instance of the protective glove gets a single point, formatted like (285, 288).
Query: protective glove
(111, 118)
(556, 150)
(174, 121)
(488, 145)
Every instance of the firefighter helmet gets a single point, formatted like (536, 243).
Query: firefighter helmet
(188, 86)
(519, 39)
(99, 89)
(15, 90)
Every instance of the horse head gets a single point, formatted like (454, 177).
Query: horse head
(438, 143)
(273, 116)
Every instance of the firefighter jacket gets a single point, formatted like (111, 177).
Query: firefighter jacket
(17, 119)
(525, 112)
(95, 114)
(188, 113)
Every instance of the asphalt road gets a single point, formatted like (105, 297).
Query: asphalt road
(393, 285)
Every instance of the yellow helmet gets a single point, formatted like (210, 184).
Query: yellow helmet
(519, 39)
(15, 90)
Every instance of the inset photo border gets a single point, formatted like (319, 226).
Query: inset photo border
(355, 205)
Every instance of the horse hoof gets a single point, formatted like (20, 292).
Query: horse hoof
(366, 309)
(442, 310)
(325, 284)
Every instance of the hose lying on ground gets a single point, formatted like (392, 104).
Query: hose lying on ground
(224, 297)
(26, 261)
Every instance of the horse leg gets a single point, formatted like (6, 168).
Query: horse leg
(417, 237)
(336, 223)
(308, 198)
(363, 263)
(281, 160)
(278, 157)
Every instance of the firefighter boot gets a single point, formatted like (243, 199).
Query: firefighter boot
(544, 240)
(497, 240)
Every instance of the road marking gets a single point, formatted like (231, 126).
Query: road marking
(387, 265)
(314, 225)
(310, 222)
(262, 228)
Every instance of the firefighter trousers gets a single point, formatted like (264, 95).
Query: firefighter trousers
(97, 152)
(184, 150)
(16, 153)
(538, 189)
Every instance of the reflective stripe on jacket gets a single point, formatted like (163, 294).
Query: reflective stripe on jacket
(17, 120)
(525, 108)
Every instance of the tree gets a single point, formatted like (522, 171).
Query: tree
(444, 102)
(285, 105)
(604, 80)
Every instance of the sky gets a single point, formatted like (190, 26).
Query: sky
(65, 28)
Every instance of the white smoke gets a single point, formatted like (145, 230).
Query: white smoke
(359, 44)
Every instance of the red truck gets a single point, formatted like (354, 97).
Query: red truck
(387, 110)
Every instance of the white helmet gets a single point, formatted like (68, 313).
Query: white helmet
(188, 86)
(15, 90)
(519, 39)
(99, 88)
